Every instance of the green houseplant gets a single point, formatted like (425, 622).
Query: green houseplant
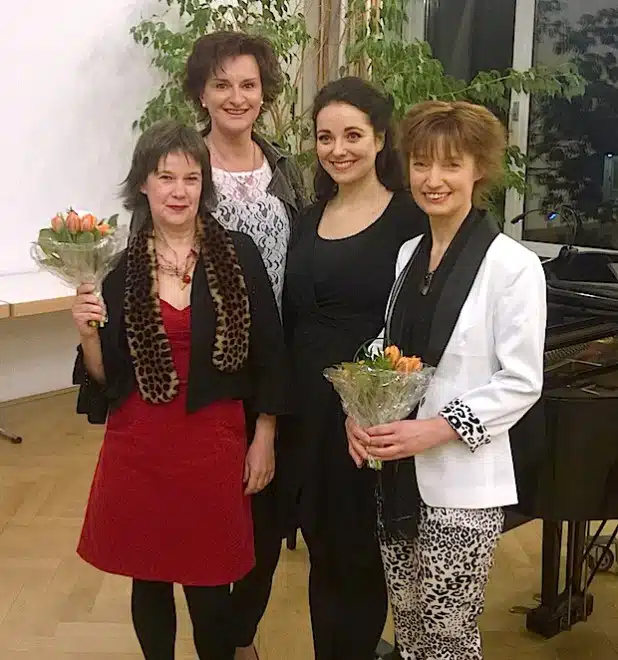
(278, 20)
(375, 48)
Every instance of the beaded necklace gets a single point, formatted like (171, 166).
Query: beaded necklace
(183, 273)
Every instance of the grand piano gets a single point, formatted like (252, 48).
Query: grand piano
(566, 448)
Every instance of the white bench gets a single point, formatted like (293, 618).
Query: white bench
(29, 294)
(33, 293)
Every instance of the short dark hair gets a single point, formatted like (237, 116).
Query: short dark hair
(156, 142)
(210, 51)
(378, 106)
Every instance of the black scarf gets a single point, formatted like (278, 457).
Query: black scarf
(422, 314)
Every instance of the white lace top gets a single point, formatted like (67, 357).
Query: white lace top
(245, 206)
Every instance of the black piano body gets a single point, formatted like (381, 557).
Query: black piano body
(565, 449)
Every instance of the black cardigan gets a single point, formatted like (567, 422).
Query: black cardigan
(262, 383)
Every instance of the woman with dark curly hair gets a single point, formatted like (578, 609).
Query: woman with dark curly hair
(192, 331)
(341, 268)
(232, 77)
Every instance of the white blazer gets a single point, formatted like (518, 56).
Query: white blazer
(490, 375)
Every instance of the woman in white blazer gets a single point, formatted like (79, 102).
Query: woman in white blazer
(470, 301)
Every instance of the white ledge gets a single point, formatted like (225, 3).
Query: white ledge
(33, 293)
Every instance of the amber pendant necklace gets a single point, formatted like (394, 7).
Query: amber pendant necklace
(183, 273)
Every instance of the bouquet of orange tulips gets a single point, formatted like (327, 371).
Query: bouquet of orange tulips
(78, 247)
(382, 387)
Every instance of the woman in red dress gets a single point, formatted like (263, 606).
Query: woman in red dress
(192, 334)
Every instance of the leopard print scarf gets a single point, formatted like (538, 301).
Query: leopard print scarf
(149, 345)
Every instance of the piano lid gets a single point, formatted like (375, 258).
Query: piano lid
(583, 364)
(585, 283)
(582, 319)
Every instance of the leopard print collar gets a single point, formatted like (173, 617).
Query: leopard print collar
(149, 345)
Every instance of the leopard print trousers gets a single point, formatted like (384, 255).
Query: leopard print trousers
(437, 581)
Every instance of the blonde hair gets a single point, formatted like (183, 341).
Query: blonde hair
(437, 129)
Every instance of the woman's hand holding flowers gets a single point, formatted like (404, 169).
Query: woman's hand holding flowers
(409, 437)
(396, 440)
(87, 307)
(358, 441)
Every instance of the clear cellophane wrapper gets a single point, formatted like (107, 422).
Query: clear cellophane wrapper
(373, 396)
(76, 263)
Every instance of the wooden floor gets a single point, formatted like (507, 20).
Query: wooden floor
(55, 607)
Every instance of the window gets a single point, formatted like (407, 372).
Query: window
(573, 146)
(415, 26)
(469, 36)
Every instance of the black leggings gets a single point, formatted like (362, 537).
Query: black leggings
(347, 600)
(250, 595)
(154, 619)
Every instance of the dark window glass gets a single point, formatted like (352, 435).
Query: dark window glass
(574, 145)
(469, 36)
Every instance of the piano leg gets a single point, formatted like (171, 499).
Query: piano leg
(558, 611)
(550, 562)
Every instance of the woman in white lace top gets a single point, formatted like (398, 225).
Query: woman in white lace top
(232, 77)
(245, 204)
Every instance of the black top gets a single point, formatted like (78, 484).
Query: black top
(425, 309)
(335, 299)
(263, 382)
(408, 329)
(411, 321)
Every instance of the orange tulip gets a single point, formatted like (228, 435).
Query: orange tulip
(89, 222)
(57, 222)
(393, 354)
(104, 229)
(73, 222)
(408, 365)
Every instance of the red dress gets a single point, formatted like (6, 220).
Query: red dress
(167, 501)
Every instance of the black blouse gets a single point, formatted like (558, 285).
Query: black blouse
(263, 382)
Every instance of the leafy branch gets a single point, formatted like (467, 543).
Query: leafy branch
(278, 20)
(376, 49)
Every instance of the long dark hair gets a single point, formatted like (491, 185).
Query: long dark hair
(378, 106)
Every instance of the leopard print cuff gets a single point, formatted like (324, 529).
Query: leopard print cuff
(466, 424)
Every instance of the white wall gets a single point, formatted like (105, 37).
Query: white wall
(36, 354)
(73, 82)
